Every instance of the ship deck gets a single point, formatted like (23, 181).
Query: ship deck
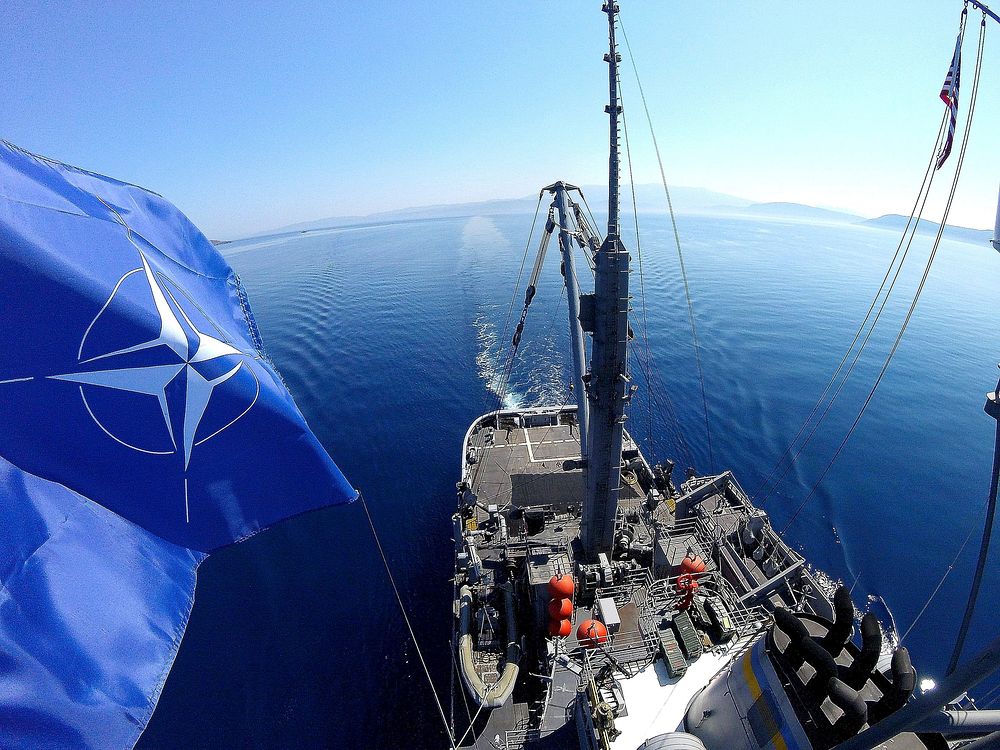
(530, 466)
(516, 465)
(520, 503)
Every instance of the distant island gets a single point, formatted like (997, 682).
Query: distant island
(896, 222)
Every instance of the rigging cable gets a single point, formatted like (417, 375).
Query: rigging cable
(659, 397)
(921, 200)
(642, 283)
(909, 230)
(920, 286)
(406, 619)
(503, 378)
(502, 390)
(677, 242)
(993, 408)
(653, 385)
(940, 583)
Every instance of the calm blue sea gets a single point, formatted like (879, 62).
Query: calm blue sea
(387, 336)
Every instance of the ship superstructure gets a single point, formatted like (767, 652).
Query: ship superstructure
(603, 601)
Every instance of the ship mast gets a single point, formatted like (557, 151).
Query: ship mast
(608, 386)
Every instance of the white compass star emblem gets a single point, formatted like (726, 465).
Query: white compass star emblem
(193, 348)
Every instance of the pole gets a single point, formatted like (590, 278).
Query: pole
(984, 9)
(963, 679)
(993, 409)
(996, 228)
(960, 722)
(579, 351)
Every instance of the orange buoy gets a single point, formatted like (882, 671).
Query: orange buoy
(560, 628)
(693, 564)
(560, 609)
(561, 586)
(592, 633)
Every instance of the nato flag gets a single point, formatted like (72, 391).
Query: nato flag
(142, 427)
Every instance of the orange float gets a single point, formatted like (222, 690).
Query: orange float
(560, 609)
(560, 628)
(592, 633)
(692, 564)
(561, 587)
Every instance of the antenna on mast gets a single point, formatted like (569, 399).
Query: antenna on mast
(613, 108)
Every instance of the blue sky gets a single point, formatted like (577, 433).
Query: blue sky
(253, 116)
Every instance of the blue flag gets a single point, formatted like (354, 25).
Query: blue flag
(142, 428)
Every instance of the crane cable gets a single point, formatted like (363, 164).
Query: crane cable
(504, 355)
(677, 242)
(920, 286)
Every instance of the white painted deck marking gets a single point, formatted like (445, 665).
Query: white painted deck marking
(531, 453)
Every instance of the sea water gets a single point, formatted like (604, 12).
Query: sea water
(392, 338)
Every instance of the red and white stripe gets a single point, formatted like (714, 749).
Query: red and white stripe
(949, 95)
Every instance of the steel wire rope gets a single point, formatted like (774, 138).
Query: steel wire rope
(919, 202)
(406, 619)
(990, 695)
(530, 483)
(656, 391)
(764, 496)
(984, 548)
(924, 186)
(465, 700)
(642, 283)
(920, 286)
(501, 390)
(646, 369)
(940, 583)
(677, 242)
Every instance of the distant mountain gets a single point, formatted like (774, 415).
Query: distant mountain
(896, 223)
(799, 212)
(648, 198)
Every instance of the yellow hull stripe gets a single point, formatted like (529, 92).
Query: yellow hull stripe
(778, 739)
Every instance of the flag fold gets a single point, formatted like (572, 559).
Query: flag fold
(143, 427)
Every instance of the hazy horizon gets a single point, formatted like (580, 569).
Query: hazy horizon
(738, 204)
(254, 117)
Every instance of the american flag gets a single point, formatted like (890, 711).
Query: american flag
(949, 95)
